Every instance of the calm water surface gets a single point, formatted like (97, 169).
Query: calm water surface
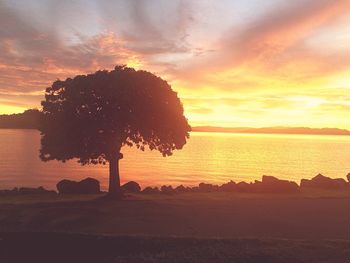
(207, 157)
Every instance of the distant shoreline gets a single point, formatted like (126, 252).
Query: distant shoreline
(274, 130)
(30, 119)
(236, 131)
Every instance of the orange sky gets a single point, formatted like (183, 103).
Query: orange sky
(234, 63)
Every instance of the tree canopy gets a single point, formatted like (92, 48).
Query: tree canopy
(90, 117)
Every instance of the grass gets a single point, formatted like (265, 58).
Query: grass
(188, 227)
(50, 198)
(59, 247)
(312, 193)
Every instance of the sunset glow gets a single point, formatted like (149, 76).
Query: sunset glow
(233, 63)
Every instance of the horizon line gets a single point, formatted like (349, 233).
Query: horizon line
(274, 130)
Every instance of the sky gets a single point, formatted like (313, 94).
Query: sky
(234, 63)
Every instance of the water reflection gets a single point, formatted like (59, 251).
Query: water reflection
(208, 157)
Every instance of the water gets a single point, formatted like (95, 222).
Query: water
(207, 157)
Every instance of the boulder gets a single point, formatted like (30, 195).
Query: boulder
(8, 192)
(182, 189)
(89, 186)
(167, 189)
(14, 191)
(323, 182)
(228, 187)
(203, 187)
(67, 187)
(150, 190)
(271, 184)
(255, 187)
(86, 186)
(243, 187)
(34, 191)
(131, 187)
(194, 189)
(27, 191)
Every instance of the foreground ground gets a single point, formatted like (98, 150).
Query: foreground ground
(324, 215)
(309, 227)
(58, 247)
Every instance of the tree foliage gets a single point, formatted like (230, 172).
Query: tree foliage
(90, 117)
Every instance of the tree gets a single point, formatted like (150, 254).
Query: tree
(91, 117)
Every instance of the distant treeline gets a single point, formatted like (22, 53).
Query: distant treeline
(29, 119)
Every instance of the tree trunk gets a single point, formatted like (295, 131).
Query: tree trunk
(114, 179)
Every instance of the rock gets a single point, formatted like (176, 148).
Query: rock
(167, 189)
(131, 187)
(271, 184)
(34, 191)
(194, 189)
(203, 187)
(66, 187)
(181, 189)
(323, 182)
(150, 190)
(243, 187)
(89, 186)
(228, 187)
(86, 186)
(14, 191)
(27, 191)
(256, 187)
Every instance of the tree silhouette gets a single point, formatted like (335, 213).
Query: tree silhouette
(91, 117)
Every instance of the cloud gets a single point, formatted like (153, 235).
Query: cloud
(150, 27)
(280, 29)
(228, 67)
(272, 41)
(31, 58)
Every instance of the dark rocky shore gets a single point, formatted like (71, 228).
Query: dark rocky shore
(268, 184)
